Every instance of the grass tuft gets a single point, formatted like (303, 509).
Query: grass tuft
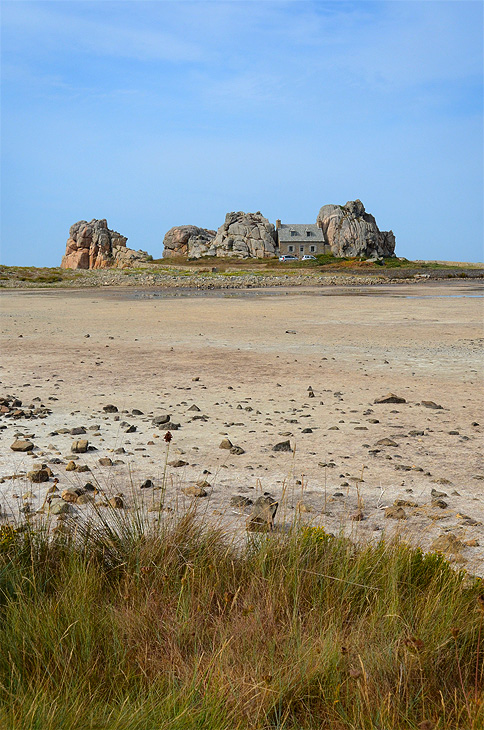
(126, 626)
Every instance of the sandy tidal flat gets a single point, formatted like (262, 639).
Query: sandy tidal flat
(261, 369)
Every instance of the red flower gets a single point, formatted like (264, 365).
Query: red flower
(168, 437)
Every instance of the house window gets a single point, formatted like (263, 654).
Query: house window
(290, 249)
(301, 249)
(312, 249)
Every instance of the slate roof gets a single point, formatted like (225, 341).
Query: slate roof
(297, 232)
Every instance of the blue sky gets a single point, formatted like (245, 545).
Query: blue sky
(156, 114)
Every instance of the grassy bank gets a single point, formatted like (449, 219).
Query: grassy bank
(121, 628)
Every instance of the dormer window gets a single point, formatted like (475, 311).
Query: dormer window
(309, 233)
(293, 233)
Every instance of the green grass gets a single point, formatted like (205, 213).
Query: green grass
(119, 627)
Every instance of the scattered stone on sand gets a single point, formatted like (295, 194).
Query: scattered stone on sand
(59, 507)
(226, 444)
(70, 495)
(386, 442)
(442, 504)
(116, 502)
(304, 507)
(447, 543)
(105, 461)
(240, 501)
(110, 408)
(147, 484)
(390, 398)
(237, 450)
(431, 404)
(437, 495)
(80, 446)
(404, 503)
(22, 445)
(194, 491)
(357, 516)
(177, 463)
(263, 512)
(395, 513)
(161, 420)
(282, 446)
(71, 466)
(39, 475)
(77, 431)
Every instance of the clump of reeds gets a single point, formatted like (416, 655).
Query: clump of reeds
(124, 626)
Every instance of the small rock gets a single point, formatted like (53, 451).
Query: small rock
(82, 468)
(431, 404)
(39, 475)
(116, 502)
(110, 409)
(439, 503)
(59, 507)
(71, 466)
(226, 444)
(69, 495)
(85, 498)
(395, 513)
(160, 420)
(263, 513)
(77, 431)
(21, 445)
(447, 543)
(80, 446)
(357, 516)
(147, 484)
(194, 408)
(386, 442)
(105, 461)
(237, 450)
(404, 503)
(304, 507)
(282, 446)
(194, 491)
(240, 501)
(178, 463)
(307, 430)
(390, 398)
(436, 494)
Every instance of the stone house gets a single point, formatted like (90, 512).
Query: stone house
(300, 239)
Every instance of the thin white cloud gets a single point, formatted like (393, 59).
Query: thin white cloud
(62, 25)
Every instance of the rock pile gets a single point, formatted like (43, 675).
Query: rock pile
(243, 235)
(95, 246)
(351, 231)
(187, 241)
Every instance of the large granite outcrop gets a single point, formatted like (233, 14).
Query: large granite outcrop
(351, 231)
(187, 241)
(94, 246)
(245, 235)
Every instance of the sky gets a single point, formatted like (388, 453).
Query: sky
(157, 114)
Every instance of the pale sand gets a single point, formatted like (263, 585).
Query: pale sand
(426, 347)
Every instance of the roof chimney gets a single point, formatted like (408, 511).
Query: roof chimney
(278, 224)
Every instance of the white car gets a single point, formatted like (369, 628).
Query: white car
(288, 257)
(308, 257)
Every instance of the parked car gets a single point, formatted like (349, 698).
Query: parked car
(288, 257)
(308, 257)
